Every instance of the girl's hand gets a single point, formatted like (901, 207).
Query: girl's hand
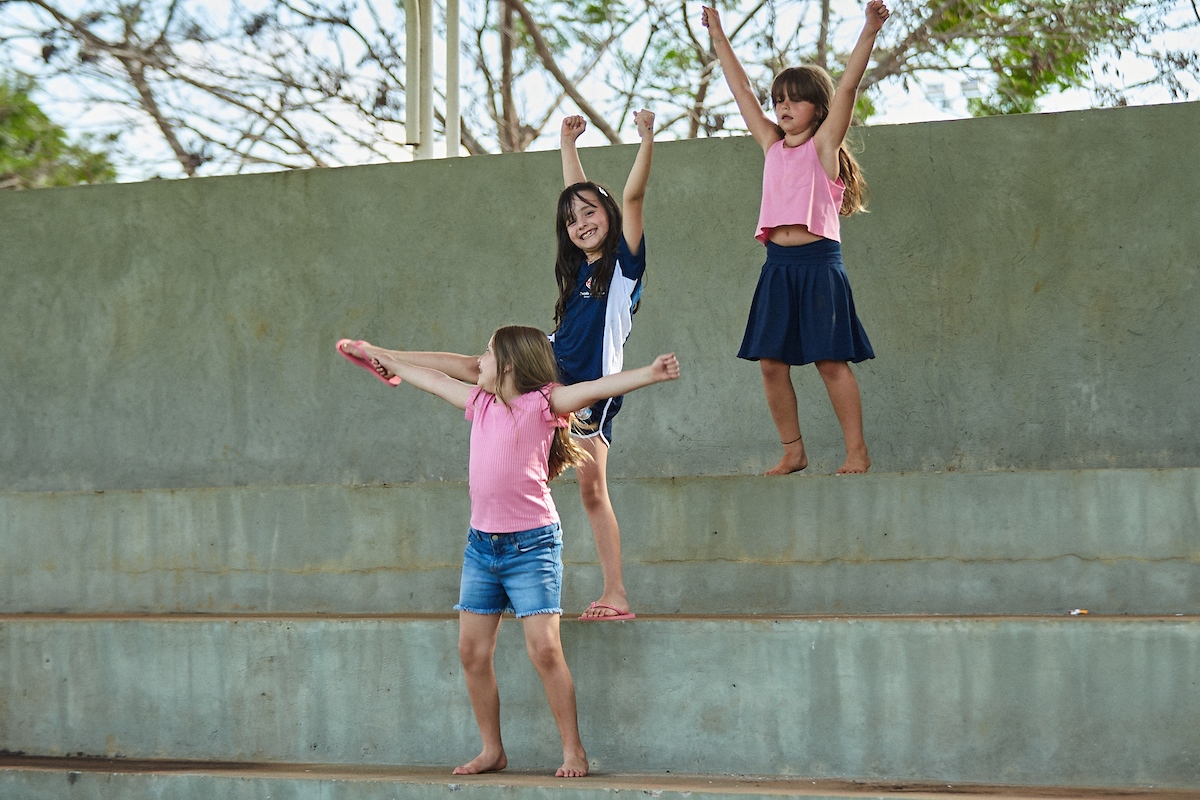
(710, 19)
(645, 123)
(877, 14)
(665, 368)
(572, 127)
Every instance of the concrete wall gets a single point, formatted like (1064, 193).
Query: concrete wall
(1029, 283)
(1113, 541)
(1104, 701)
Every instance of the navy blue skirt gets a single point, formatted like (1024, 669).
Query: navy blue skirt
(803, 310)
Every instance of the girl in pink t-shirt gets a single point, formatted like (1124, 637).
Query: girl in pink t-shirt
(803, 310)
(520, 440)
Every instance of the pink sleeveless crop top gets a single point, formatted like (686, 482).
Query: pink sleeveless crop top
(796, 191)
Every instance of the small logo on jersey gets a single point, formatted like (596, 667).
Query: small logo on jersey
(584, 414)
(586, 291)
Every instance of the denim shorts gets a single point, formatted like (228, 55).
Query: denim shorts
(519, 572)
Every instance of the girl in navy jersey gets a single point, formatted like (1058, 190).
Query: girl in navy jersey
(803, 311)
(599, 268)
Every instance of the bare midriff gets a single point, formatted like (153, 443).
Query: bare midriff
(792, 235)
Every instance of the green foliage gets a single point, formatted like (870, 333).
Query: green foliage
(35, 153)
(1032, 48)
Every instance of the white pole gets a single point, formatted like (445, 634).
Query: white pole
(453, 121)
(425, 142)
(412, 71)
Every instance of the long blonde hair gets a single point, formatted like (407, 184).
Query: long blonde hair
(812, 83)
(527, 353)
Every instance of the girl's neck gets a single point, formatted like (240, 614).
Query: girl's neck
(507, 388)
(799, 138)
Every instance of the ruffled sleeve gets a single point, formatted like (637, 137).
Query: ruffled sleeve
(548, 415)
(471, 398)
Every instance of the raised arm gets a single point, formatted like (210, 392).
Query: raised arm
(635, 185)
(572, 127)
(564, 399)
(761, 126)
(829, 136)
(419, 370)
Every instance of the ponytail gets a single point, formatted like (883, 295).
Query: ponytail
(854, 199)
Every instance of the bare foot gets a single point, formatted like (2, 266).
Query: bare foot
(574, 765)
(794, 459)
(484, 762)
(857, 463)
(597, 610)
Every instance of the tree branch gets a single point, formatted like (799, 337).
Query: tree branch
(543, 51)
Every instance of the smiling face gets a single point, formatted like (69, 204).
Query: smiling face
(589, 228)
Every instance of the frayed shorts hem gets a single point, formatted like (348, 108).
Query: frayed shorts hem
(504, 610)
(540, 611)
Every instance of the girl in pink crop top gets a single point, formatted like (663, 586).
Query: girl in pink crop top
(803, 310)
(513, 560)
(796, 191)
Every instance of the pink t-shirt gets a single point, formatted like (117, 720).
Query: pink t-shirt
(510, 451)
(796, 191)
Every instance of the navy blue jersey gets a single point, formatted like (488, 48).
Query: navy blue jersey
(590, 341)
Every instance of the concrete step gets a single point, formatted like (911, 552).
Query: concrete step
(1074, 701)
(125, 779)
(1114, 541)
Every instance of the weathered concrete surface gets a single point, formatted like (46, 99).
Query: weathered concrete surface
(1029, 284)
(1112, 541)
(1056, 701)
(123, 779)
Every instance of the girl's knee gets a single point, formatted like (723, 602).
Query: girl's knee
(546, 654)
(474, 654)
(831, 370)
(773, 370)
(593, 490)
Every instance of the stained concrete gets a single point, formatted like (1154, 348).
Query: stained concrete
(1112, 541)
(126, 779)
(1029, 284)
(1067, 701)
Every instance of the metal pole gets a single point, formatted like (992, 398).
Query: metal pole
(425, 140)
(453, 120)
(412, 71)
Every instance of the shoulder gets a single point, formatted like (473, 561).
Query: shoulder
(477, 398)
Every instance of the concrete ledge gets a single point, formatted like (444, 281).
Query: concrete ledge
(1062, 701)
(1113, 541)
(122, 779)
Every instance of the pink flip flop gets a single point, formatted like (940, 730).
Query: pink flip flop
(618, 617)
(363, 362)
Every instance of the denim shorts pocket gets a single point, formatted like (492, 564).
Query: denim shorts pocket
(549, 538)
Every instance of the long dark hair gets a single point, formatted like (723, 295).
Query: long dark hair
(527, 353)
(812, 83)
(570, 257)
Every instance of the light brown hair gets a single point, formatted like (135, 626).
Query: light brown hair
(527, 353)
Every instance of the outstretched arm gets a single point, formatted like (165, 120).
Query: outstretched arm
(841, 110)
(564, 399)
(761, 127)
(460, 367)
(572, 127)
(635, 185)
(421, 374)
